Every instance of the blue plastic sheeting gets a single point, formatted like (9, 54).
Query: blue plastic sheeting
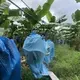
(38, 69)
(35, 50)
(34, 42)
(50, 51)
(9, 60)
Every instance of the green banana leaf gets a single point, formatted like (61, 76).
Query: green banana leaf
(77, 1)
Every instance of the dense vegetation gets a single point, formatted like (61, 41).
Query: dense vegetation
(65, 64)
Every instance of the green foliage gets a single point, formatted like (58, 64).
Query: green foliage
(74, 31)
(38, 9)
(1, 1)
(5, 25)
(45, 8)
(16, 11)
(76, 16)
(66, 63)
(3, 13)
(26, 74)
(4, 8)
(6, 11)
(1, 31)
(53, 18)
(35, 16)
(50, 17)
(72, 35)
(77, 0)
(62, 19)
(31, 16)
(50, 1)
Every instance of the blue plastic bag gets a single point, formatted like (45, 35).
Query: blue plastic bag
(34, 49)
(34, 42)
(39, 53)
(50, 51)
(9, 60)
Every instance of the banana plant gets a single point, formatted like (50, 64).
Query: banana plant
(44, 9)
(32, 17)
(74, 31)
(35, 16)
